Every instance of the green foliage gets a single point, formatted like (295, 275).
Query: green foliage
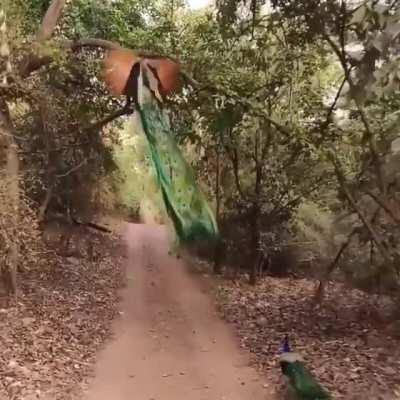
(296, 112)
(137, 184)
(316, 227)
(116, 21)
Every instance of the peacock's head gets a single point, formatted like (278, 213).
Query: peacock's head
(287, 356)
(286, 345)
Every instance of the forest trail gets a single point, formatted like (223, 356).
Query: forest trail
(169, 343)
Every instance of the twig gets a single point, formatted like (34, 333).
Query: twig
(321, 287)
(100, 124)
(322, 283)
(240, 100)
(362, 217)
(90, 225)
(341, 54)
(90, 42)
(72, 170)
(45, 203)
(382, 204)
(330, 111)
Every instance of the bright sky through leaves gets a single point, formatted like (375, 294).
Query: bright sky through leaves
(196, 4)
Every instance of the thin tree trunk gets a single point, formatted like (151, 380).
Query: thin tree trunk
(50, 167)
(255, 225)
(255, 243)
(45, 204)
(218, 245)
(12, 176)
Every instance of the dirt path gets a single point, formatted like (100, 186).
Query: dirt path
(169, 343)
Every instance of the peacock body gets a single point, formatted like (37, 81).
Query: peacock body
(302, 384)
(146, 80)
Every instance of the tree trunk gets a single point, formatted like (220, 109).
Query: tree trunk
(255, 243)
(50, 159)
(255, 225)
(12, 177)
(218, 253)
(219, 244)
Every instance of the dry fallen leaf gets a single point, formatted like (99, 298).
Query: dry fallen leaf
(48, 340)
(343, 347)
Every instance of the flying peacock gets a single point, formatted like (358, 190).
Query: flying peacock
(302, 384)
(145, 80)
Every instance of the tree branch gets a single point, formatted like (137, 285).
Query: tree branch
(100, 124)
(73, 169)
(90, 42)
(341, 55)
(331, 109)
(35, 62)
(319, 295)
(362, 217)
(50, 20)
(382, 204)
(240, 100)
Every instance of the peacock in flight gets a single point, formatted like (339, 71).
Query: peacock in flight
(302, 384)
(145, 80)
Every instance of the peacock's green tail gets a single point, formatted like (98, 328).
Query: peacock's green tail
(185, 203)
(302, 382)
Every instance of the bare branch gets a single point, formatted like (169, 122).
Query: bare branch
(90, 42)
(319, 295)
(35, 62)
(240, 100)
(73, 169)
(100, 124)
(45, 204)
(368, 134)
(383, 205)
(330, 112)
(367, 224)
(50, 20)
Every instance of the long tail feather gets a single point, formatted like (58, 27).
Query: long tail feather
(185, 203)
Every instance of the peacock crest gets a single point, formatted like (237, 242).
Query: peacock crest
(302, 384)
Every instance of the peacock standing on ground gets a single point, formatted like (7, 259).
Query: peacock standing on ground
(145, 80)
(302, 384)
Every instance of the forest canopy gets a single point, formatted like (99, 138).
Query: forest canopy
(288, 112)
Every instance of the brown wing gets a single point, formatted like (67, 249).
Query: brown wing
(168, 73)
(117, 66)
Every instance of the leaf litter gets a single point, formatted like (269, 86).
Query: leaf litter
(351, 353)
(50, 335)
